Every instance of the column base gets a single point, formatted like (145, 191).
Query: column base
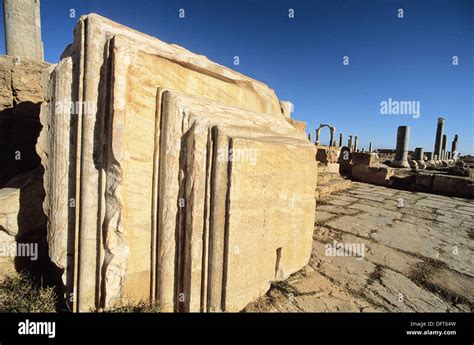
(400, 164)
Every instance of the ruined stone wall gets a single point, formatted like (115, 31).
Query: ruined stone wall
(21, 95)
(23, 243)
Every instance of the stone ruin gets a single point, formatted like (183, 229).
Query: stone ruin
(413, 170)
(150, 173)
(441, 173)
(167, 177)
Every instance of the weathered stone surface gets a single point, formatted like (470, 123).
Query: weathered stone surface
(327, 154)
(298, 125)
(286, 108)
(264, 126)
(21, 216)
(413, 260)
(9, 208)
(424, 180)
(377, 174)
(453, 185)
(459, 171)
(147, 169)
(20, 81)
(365, 158)
(21, 93)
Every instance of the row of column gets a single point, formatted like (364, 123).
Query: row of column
(352, 142)
(439, 153)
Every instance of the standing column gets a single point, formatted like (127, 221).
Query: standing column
(23, 29)
(454, 144)
(370, 147)
(401, 153)
(349, 142)
(309, 136)
(355, 143)
(340, 139)
(331, 140)
(419, 154)
(444, 142)
(439, 137)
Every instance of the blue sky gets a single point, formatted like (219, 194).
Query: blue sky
(301, 58)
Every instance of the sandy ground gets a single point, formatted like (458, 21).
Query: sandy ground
(380, 249)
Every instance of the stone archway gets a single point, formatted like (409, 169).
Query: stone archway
(332, 132)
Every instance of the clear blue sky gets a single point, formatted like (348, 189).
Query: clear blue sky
(301, 58)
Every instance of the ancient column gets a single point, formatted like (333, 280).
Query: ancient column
(309, 136)
(441, 155)
(355, 143)
(316, 139)
(454, 144)
(429, 156)
(340, 139)
(419, 154)
(444, 142)
(23, 29)
(349, 142)
(370, 147)
(332, 132)
(439, 137)
(401, 153)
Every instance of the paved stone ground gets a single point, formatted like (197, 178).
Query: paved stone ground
(418, 256)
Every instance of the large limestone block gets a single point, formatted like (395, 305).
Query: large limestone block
(259, 200)
(202, 115)
(133, 65)
(122, 159)
(327, 154)
(453, 185)
(366, 158)
(377, 174)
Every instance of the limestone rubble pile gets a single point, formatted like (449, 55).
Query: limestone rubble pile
(169, 177)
